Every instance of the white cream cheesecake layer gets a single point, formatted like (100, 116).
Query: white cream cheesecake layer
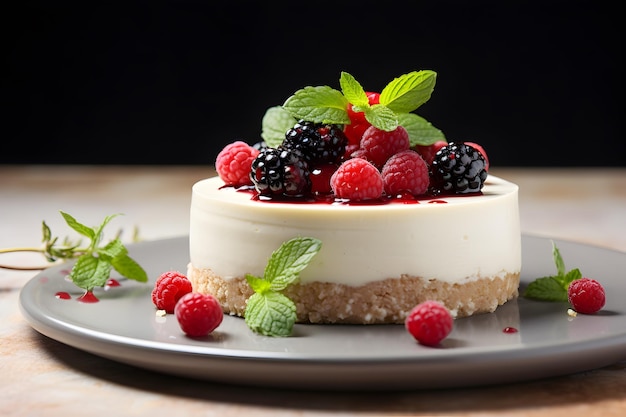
(466, 238)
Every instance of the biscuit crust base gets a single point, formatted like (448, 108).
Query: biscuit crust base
(382, 302)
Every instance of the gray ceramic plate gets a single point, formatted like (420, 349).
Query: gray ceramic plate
(123, 327)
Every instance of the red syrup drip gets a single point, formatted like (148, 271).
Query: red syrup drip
(62, 295)
(329, 198)
(88, 297)
(112, 282)
(509, 330)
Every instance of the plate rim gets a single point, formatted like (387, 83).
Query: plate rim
(69, 335)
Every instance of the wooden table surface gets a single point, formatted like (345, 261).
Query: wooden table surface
(43, 377)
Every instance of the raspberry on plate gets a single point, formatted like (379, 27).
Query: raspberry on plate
(586, 295)
(168, 289)
(406, 172)
(429, 323)
(198, 314)
(233, 163)
(357, 179)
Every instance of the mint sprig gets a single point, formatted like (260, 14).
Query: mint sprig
(269, 312)
(554, 287)
(398, 100)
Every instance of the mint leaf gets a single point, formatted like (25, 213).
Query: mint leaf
(286, 263)
(353, 91)
(129, 268)
(553, 288)
(558, 260)
(319, 105)
(268, 311)
(421, 131)
(546, 289)
(275, 124)
(89, 272)
(572, 275)
(382, 117)
(79, 227)
(258, 285)
(270, 314)
(94, 264)
(409, 91)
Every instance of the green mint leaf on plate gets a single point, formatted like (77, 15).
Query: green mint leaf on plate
(269, 312)
(275, 124)
(93, 266)
(90, 271)
(409, 91)
(546, 289)
(553, 288)
(320, 104)
(421, 131)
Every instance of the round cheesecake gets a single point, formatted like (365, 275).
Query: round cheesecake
(377, 261)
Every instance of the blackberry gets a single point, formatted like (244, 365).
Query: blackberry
(318, 143)
(457, 168)
(276, 172)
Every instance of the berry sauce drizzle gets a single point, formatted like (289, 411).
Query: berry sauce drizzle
(88, 297)
(324, 198)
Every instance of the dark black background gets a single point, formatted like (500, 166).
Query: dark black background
(537, 83)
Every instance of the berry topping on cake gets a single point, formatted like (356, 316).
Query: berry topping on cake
(319, 143)
(378, 145)
(429, 323)
(405, 172)
(586, 295)
(480, 149)
(169, 287)
(198, 314)
(457, 168)
(357, 179)
(233, 163)
(317, 129)
(280, 172)
(358, 123)
(428, 151)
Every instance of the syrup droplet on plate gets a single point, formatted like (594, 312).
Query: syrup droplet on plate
(509, 330)
(88, 297)
(62, 295)
(112, 282)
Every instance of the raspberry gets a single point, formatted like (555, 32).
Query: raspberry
(198, 314)
(428, 152)
(357, 179)
(429, 323)
(168, 289)
(405, 172)
(380, 145)
(233, 163)
(482, 151)
(586, 295)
